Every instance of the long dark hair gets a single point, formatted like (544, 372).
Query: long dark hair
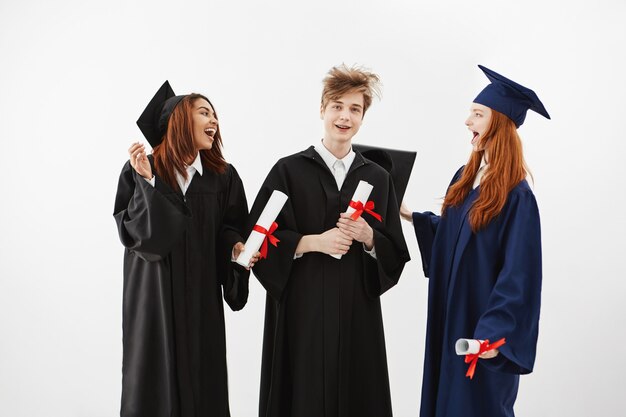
(177, 149)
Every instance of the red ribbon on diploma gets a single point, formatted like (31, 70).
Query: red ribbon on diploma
(360, 208)
(485, 346)
(268, 235)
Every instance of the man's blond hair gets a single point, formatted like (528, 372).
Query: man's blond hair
(342, 80)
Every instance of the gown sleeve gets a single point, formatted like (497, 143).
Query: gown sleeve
(147, 221)
(235, 277)
(513, 307)
(273, 271)
(383, 272)
(425, 225)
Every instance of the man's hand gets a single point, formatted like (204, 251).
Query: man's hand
(357, 230)
(331, 242)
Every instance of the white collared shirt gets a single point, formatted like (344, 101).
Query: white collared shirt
(196, 166)
(330, 159)
(481, 172)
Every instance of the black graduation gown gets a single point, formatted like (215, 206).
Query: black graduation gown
(176, 260)
(484, 285)
(323, 347)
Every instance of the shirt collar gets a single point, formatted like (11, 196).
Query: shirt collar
(196, 164)
(483, 163)
(481, 172)
(329, 159)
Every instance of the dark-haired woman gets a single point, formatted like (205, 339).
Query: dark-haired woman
(180, 214)
(483, 259)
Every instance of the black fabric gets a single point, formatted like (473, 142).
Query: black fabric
(177, 259)
(324, 347)
(149, 121)
(396, 162)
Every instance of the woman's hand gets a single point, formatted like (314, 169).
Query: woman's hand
(139, 160)
(357, 230)
(405, 213)
(240, 247)
(490, 354)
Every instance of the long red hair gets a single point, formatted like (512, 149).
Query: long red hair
(177, 149)
(506, 169)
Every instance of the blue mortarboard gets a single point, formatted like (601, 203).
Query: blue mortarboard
(509, 98)
(153, 120)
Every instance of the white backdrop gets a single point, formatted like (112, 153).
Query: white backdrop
(76, 74)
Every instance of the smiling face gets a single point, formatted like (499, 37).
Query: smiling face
(342, 117)
(204, 124)
(478, 123)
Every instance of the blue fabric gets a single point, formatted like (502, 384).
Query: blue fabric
(484, 285)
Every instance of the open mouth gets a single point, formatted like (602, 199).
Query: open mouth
(343, 128)
(210, 132)
(475, 137)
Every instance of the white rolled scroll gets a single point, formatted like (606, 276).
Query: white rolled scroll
(467, 346)
(362, 193)
(268, 216)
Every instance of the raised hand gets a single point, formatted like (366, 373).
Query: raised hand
(139, 160)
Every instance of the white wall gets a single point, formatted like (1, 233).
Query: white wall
(75, 76)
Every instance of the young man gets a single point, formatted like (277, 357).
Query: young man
(324, 348)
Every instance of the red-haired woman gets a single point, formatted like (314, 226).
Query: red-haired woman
(483, 258)
(180, 214)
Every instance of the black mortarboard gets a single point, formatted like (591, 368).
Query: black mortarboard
(398, 163)
(153, 120)
(509, 98)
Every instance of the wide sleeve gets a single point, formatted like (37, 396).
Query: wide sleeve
(147, 221)
(383, 272)
(425, 226)
(514, 303)
(234, 276)
(273, 271)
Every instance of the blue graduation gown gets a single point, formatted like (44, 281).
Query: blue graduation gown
(484, 285)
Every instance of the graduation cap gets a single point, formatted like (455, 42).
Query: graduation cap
(396, 162)
(509, 98)
(153, 120)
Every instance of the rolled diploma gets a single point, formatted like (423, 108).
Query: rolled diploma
(362, 193)
(467, 346)
(268, 215)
